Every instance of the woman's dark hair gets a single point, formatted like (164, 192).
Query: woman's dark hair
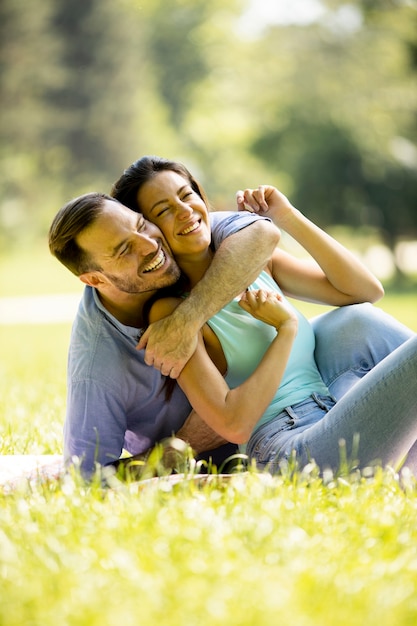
(70, 221)
(126, 188)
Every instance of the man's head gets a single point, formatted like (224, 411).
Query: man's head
(109, 246)
(126, 188)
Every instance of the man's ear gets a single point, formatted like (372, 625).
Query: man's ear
(93, 279)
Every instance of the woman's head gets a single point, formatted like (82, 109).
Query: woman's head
(169, 196)
(126, 188)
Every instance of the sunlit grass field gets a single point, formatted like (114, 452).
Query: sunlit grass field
(294, 549)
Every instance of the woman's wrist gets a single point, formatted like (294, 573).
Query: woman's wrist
(290, 325)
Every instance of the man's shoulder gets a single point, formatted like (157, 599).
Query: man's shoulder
(93, 319)
(100, 347)
(89, 318)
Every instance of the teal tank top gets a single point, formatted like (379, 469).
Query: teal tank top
(245, 339)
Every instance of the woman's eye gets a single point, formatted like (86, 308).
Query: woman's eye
(162, 211)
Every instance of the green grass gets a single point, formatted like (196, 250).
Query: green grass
(293, 549)
(33, 271)
(290, 549)
(32, 388)
(249, 552)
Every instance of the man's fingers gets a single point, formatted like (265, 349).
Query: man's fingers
(168, 369)
(167, 354)
(143, 340)
(175, 371)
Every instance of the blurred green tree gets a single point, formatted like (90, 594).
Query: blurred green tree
(68, 92)
(325, 110)
(339, 118)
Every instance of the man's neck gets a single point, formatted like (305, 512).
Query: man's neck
(127, 308)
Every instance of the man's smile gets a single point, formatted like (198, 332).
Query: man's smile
(156, 263)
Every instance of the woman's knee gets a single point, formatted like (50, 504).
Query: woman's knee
(359, 324)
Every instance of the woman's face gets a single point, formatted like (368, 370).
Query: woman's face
(169, 201)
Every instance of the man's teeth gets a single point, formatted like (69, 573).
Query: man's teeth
(156, 263)
(190, 228)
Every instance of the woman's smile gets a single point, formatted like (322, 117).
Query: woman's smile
(190, 228)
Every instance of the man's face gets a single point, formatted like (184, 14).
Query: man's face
(131, 252)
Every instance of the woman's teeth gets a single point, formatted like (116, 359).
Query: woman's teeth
(190, 228)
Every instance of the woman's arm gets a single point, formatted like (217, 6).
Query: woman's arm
(171, 342)
(335, 276)
(233, 413)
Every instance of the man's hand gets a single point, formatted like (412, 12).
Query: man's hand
(169, 344)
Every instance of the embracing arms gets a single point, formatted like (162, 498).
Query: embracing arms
(233, 413)
(171, 341)
(337, 277)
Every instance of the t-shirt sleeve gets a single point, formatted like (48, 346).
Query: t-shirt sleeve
(93, 432)
(225, 223)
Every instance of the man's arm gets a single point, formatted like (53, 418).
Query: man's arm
(198, 434)
(237, 262)
(194, 432)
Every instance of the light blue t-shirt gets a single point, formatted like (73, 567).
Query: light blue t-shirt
(245, 339)
(115, 400)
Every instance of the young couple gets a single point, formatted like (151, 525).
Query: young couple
(261, 376)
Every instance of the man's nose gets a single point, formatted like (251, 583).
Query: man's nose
(146, 243)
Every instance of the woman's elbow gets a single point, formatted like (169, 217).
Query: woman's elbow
(234, 423)
(378, 292)
(238, 434)
(374, 293)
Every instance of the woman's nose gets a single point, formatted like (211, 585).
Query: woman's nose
(184, 210)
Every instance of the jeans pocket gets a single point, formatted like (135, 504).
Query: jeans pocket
(265, 444)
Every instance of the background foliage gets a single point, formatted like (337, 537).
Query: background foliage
(324, 108)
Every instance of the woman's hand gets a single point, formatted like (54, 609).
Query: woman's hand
(337, 277)
(265, 200)
(269, 307)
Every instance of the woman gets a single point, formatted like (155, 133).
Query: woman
(273, 396)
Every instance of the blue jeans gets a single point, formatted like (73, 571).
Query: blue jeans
(368, 361)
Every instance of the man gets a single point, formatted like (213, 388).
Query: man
(115, 400)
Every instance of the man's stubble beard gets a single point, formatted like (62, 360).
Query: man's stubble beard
(169, 278)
